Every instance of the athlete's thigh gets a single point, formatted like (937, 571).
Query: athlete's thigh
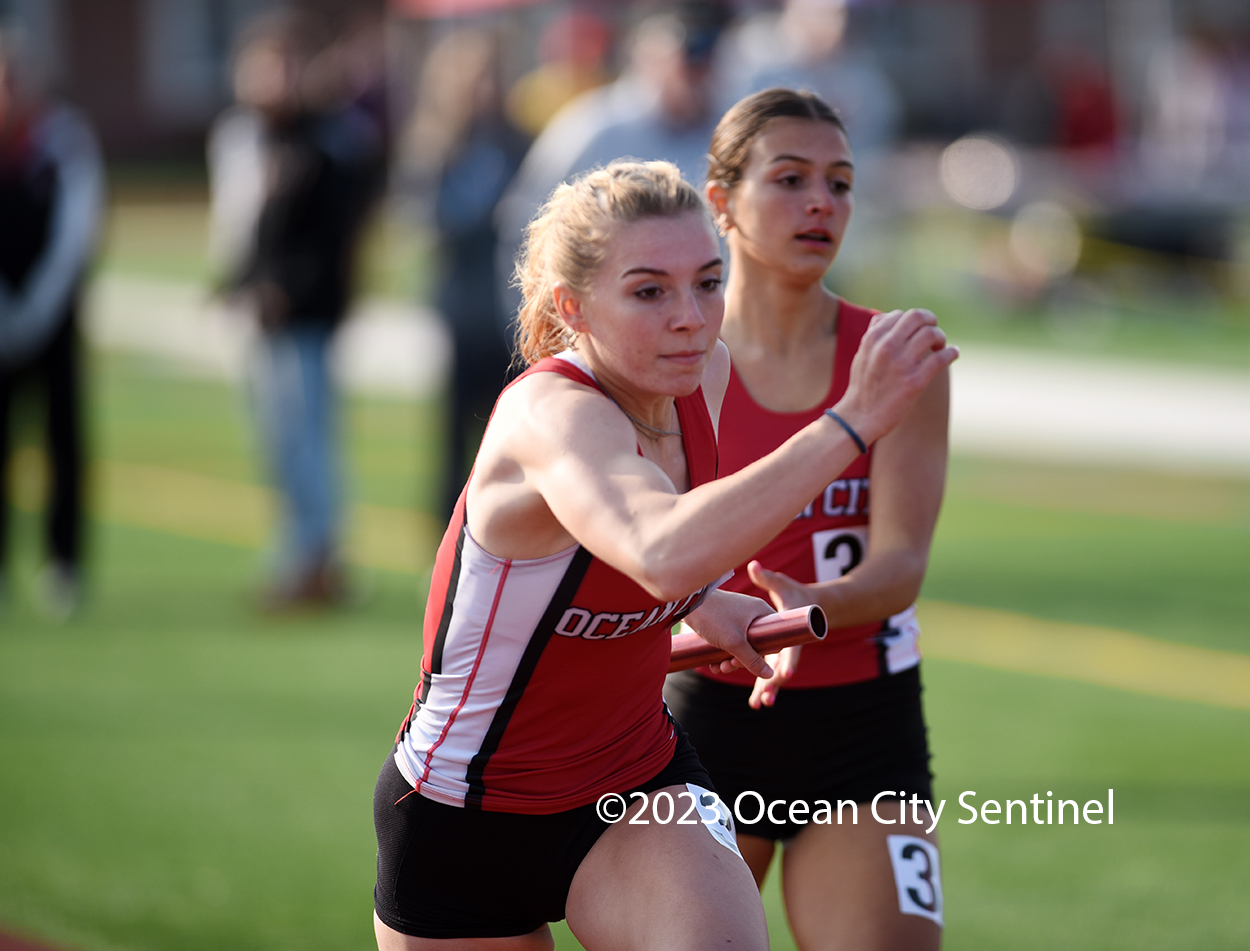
(842, 887)
(391, 940)
(664, 885)
(758, 853)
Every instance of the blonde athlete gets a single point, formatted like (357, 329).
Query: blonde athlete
(590, 523)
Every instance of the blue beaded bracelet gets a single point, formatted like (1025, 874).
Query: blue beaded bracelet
(849, 431)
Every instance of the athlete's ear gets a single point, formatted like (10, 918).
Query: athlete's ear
(569, 307)
(718, 198)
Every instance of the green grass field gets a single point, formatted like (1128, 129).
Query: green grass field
(178, 772)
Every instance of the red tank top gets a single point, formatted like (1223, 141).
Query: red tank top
(541, 679)
(824, 541)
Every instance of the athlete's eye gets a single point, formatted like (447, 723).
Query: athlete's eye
(710, 284)
(790, 180)
(649, 292)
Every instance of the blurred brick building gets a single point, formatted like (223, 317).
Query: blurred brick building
(151, 73)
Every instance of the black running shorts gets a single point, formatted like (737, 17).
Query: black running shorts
(848, 742)
(450, 872)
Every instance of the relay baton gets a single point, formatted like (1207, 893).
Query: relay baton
(767, 634)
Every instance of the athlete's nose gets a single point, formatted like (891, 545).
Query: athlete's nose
(689, 314)
(820, 200)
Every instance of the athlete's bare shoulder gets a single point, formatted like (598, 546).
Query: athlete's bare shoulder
(547, 413)
(542, 423)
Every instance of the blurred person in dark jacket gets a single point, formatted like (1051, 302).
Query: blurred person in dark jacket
(51, 191)
(463, 153)
(294, 172)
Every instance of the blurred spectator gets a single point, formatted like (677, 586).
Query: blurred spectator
(293, 171)
(1185, 113)
(804, 46)
(1237, 103)
(465, 152)
(574, 51)
(664, 106)
(51, 192)
(361, 65)
(1064, 100)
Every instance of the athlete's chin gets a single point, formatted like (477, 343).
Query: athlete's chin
(811, 266)
(685, 372)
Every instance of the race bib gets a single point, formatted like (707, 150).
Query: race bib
(716, 817)
(917, 875)
(838, 550)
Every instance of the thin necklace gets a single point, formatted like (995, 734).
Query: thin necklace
(641, 425)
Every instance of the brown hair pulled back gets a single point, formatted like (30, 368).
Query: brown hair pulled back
(567, 240)
(742, 124)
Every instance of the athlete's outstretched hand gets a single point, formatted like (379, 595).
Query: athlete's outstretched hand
(900, 354)
(784, 663)
(783, 591)
(786, 593)
(722, 620)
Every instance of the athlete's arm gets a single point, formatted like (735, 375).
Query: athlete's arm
(578, 453)
(908, 477)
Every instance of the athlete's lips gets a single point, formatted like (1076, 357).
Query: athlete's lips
(822, 235)
(686, 356)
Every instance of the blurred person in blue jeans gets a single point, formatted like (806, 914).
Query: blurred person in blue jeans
(51, 194)
(294, 171)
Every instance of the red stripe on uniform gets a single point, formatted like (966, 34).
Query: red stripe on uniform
(468, 687)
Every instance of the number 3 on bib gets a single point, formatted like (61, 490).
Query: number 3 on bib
(917, 875)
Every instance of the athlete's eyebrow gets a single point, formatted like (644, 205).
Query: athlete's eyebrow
(806, 161)
(660, 272)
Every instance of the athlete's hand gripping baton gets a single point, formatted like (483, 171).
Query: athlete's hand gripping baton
(767, 634)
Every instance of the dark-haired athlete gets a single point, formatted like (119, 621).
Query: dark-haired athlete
(840, 721)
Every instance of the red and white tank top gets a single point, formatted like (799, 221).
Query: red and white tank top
(541, 679)
(824, 541)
